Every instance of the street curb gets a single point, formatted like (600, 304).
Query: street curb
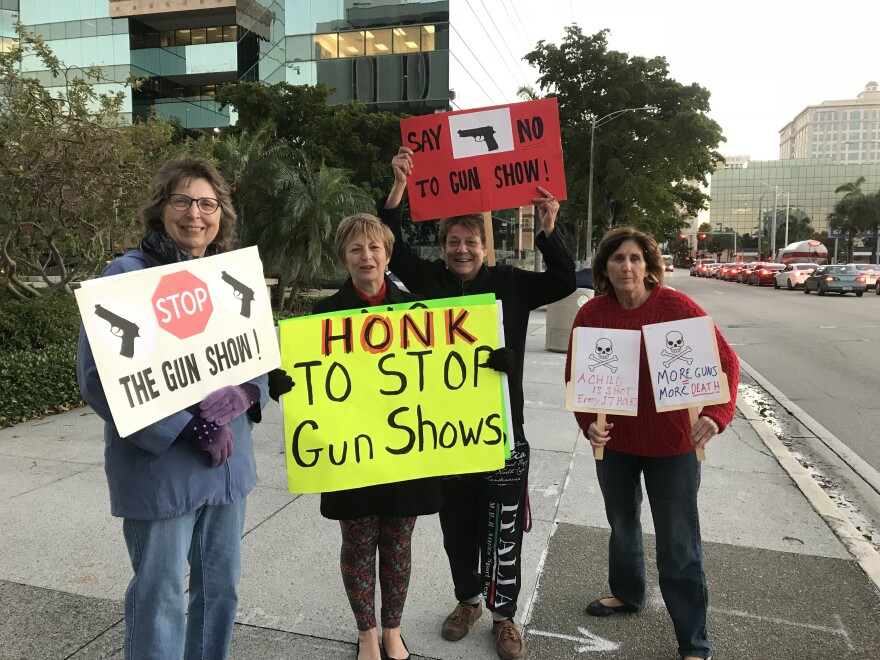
(864, 553)
(847, 455)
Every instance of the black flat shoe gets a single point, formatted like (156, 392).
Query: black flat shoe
(597, 608)
(385, 655)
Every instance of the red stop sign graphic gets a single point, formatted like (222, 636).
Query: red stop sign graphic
(182, 304)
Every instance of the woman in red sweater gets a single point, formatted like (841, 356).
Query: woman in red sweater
(628, 268)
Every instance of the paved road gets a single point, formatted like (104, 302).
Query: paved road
(822, 353)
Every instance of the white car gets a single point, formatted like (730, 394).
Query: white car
(793, 276)
(870, 271)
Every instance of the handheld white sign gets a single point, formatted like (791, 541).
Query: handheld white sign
(604, 371)
(163, 338)
(604, 374)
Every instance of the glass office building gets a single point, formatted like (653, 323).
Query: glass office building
(184, 49)
(389, 54)
(743, 199)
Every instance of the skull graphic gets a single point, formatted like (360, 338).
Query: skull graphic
(674, 341)
(604, 347)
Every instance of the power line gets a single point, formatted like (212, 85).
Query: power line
(479, 86)
(518, 36)
(491, 41)
(516, 11)
(504, 41)
(477, 60)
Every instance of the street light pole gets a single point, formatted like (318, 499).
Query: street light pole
(593, 124)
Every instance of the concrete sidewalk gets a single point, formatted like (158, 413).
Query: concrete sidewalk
(782, 584)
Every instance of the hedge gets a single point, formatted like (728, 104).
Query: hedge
(38, 357)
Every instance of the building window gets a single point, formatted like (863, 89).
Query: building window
(326, 46)
(351, 44)
(182, 38)
(406, 39)
(427, 37)
(378, 42)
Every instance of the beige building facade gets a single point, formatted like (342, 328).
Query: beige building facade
(847, 131)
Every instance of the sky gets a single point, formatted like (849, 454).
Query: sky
(762, 62)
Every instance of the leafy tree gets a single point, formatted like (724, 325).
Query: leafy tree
(850, 214)
(346, 136)
(647, 166)
(73, 171)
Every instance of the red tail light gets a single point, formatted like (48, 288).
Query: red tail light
(860, 278)
(828, 278)
(765, 272)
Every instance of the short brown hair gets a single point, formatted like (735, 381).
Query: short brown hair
(362, 223)
(472, 224)
(176, 171)
(609, 245)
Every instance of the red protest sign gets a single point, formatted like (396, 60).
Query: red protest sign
(472, 161)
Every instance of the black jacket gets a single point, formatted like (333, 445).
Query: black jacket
(520, 290)
(404, 498)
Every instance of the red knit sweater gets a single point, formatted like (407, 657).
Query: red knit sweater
(651, 433)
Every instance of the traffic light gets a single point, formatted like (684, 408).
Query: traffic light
(682, 236)
(702, 237)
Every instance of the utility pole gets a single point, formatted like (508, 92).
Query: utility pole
(773, 230)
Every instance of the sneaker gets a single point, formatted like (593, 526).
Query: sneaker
(463, 617)
(509, 641)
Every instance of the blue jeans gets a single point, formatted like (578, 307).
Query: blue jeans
(672, 485)
(157, 625)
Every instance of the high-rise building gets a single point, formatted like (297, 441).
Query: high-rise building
(183, 49)
(846, 131)
(389, 54)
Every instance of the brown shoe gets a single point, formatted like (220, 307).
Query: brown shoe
(457, 624)
(509, 641)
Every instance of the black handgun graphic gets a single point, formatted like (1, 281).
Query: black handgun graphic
(121, 328)
(243, 293)
(481, 134)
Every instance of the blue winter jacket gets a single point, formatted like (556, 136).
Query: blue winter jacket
(150, 475)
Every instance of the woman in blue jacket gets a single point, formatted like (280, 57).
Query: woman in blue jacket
(181, 483)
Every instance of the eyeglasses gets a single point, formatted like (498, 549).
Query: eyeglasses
(184, 202)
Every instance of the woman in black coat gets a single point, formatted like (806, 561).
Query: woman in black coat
(375, 518)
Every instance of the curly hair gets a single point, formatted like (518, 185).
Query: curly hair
(609, 245)
(185, 169)
(362, 223)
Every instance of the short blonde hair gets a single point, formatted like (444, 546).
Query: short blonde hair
(613, 240)
(362, 223)
(473, 224)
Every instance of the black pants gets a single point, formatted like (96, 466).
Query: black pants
(482, 520)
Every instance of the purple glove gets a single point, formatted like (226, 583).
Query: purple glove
(214, 439)
(227, 403)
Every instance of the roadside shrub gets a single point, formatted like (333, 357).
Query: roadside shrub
(46, 321)
(38, 382)
(38, 357)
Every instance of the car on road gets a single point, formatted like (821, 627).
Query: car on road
(764, 274)
(668, 266)
(733, 271)
(840, 279)
(709, 270)
(695, 267)
(584, 278)
(793, 276)
(743, 275)
(870, 271)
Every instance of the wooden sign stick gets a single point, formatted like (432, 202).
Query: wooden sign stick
(490, 238)
(599, 452)
(693, 413)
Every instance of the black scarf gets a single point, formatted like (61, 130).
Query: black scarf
(159, 246)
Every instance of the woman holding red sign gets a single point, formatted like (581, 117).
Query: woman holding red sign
(375, 519)
(629, 269)
(484, 515)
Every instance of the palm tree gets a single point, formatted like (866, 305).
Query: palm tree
(842, 217)
(295, 235)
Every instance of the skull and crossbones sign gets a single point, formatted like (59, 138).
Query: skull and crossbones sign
(604, 356)
(675, 349)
